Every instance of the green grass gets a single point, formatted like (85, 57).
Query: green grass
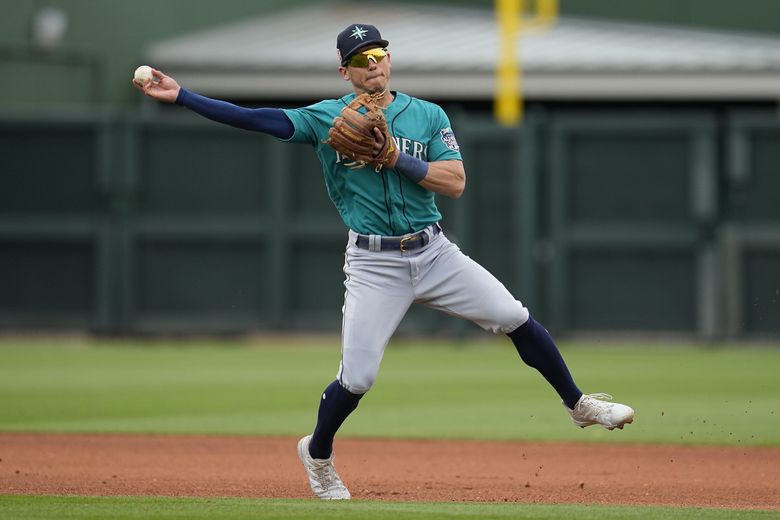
(683, 394)
(122, 508)
(481, 390)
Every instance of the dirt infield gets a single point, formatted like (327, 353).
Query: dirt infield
(729, 477)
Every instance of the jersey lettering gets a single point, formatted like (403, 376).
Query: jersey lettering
(418, 149)
(413, 148)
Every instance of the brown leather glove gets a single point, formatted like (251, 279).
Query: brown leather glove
(353, 136)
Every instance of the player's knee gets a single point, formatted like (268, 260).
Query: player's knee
(512, 317)
(358, 369)
(359, 385)
(358, 382)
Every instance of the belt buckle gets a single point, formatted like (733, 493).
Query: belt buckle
(405, 239)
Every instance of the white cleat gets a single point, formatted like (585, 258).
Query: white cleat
(324, 480)
(592, 409)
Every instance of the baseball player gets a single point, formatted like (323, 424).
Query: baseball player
(385, 155)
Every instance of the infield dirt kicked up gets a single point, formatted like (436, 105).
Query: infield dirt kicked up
(401, 470)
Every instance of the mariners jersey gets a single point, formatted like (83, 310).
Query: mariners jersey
(385, 203)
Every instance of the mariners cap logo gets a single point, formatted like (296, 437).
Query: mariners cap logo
(358, 32)
(358, 37)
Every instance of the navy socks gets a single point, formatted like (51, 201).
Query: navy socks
(537, 350)
(533, 343)
(335, 405)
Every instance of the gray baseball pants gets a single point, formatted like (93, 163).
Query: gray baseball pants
(382, 285)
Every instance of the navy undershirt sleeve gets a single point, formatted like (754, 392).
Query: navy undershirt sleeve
(271, 121)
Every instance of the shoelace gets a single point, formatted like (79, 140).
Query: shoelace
(326, 475)
(601, 396)
(599, 407)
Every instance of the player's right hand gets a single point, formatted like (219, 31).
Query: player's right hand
(162, 88)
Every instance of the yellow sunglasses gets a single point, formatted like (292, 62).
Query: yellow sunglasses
(361, 59)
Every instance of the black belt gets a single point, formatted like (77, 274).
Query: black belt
(404, 243)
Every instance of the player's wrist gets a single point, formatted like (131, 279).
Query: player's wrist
(181, 95)
(411, 167)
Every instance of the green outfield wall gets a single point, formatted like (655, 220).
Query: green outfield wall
(650, 219)
(119, 218)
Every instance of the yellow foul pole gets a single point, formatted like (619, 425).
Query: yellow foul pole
(507, 106)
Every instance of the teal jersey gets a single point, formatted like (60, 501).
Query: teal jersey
(385, 203)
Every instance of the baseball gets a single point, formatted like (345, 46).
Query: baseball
(143, 75)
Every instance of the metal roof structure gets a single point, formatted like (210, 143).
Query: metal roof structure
(450, 53)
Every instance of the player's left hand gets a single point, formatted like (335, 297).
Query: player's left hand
(379, 143)
(363, 137)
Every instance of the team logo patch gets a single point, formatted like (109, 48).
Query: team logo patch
(448, 138)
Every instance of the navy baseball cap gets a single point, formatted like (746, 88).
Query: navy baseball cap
(356, 37)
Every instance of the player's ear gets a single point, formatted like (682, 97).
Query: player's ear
(344, 73)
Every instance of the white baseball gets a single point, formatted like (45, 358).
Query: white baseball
(143, 75)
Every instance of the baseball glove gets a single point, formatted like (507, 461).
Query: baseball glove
(353, 136)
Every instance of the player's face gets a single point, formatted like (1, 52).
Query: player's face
(368, 72)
